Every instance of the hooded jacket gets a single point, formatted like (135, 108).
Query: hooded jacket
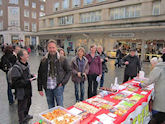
(21, 80)
(75, 70)
(63, 71)
(157, 76)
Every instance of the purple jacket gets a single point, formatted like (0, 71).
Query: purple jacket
(95, 66)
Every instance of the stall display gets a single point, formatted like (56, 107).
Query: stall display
(101, 103)
(59, 115)
(87, 107)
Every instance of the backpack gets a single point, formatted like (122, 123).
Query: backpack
(9, 75)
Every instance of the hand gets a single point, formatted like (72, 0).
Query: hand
(126, 63)
(102, 60)
(85, 75)
(41, 93)
(138, 75)
(60, 85)
(100, 75)
(79, 74)
(106, 58)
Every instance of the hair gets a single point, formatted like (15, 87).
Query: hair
(61, 49)
(154, 60)
(99, 46)
(15, 46)
(52, 41)
(81, 48)
(20, 53)
(8, 49)
(93, 45)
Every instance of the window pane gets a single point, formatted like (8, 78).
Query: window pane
(13, 1)
(90, 17)
(56, 6)
(88, 1)
(1, 25)
(65, 4)
(66, 20)
(42, 7)
(156, 8)
(1, 12)
(33, 5)
(26, 2)
(75, 3)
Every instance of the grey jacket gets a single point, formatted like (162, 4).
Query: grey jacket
(74, 67)
(157, 76)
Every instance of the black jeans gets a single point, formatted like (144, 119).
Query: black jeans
(92, 85)
(126, 77)
(22, 106)
(158, 118)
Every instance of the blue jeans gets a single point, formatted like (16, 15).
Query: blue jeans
(102, 80)
(54, 94)
(9, 92)
(76, 87)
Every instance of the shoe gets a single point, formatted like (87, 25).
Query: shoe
(28, 117)
(11, 103)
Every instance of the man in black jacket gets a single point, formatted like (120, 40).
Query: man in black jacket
(163, 54)
(53, 73)
(21, 81)
(132, 63)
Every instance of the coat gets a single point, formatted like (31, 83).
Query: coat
(134, 65)
(95, 64)
(21, 80)
(74, 67)
(104, 66)
(63, 71)
(157, 76)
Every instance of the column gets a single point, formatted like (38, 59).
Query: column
(143, 50)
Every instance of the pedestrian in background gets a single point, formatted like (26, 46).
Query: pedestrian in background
(118, 57)
(157, 76)
(7, 61)
(104, 60)
(132, 65)
(163, 54)
(53, 74)
(95, 69)
(61, 52)
(80, 70)
(21, 81)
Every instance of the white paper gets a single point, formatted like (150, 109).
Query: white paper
(143, 92)
(98, 79)
(112, 115)
(75, 111)
(105, 119)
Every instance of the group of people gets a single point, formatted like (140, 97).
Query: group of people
(54, 73)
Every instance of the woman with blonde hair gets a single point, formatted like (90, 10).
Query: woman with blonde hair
(80, 70)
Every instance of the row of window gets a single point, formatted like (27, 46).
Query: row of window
(26, 14)
(26, 25)
(115, 14)
(26, 3)
(75, 3)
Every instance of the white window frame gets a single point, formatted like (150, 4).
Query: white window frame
(101, 0)
(75, 3)
(56, 6)
(34, 15)
(13, 1)
(26, 13)
(27, 26)
(1, 25)
(156, 5)
(65, 4)
(1, 12)
(42, 7)
(86, 2)
(34, 27)
(42, 14)
(34, 5)
(26, 2)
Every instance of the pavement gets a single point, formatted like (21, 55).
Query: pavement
(8, 113)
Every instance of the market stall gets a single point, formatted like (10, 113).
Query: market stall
(129, 105)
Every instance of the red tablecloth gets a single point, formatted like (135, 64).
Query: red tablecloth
(118, 119)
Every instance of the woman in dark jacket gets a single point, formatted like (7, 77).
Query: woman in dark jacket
(7, 61)
(95, 69)
(80, 70)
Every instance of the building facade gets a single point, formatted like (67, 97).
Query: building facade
(133, 23)
(19, 21)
